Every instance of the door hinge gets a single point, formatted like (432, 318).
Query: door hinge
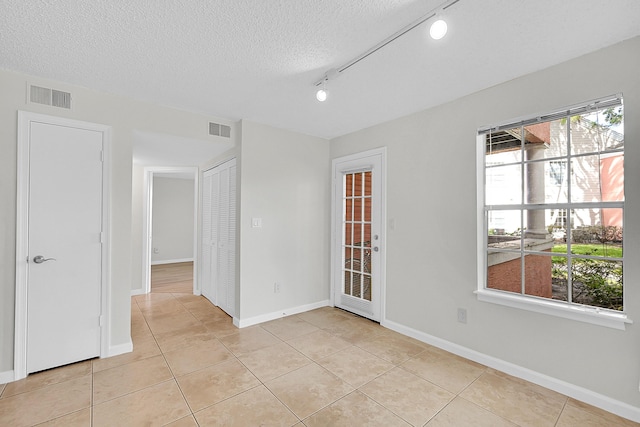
(102, 237)
(102, 156)
(101, 321)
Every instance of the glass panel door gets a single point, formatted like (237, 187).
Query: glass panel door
(358, 233)
(356, 248)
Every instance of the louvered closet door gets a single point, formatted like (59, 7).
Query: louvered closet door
(219, 231)
(209, 230)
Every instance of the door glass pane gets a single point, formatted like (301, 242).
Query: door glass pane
(357, 235)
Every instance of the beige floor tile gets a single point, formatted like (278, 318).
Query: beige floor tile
(216, 383)
(200, 355)
(271, 362)
(49, 377)
(201, 303)
(147, 300)
(461, 412)
(318, 345)
(204, 309)
(47, 403)
(208, 313)
(156, 405)
(181, 338)
(140, 329)
(308, 389)
(124, 379)
(184, 298)
(177, 287)
(392, 347)
(162, 308)
(578, 414)
(76, 419)
(188, 421)
(355, 366)
(172, 322)
(2, 387)
(220, 328)
(523, 403)
(289, 327)
(143, 348)
(249, 339)
(444, 369)
(355, 409)
(255, 407)
(325, 317)
(410, 397)
(356, 330)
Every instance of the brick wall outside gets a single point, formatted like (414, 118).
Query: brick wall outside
(506, 276)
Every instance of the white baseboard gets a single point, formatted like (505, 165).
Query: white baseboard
(243, 323)
(7, 377)
(171, 261)
(135, 292)
(579, 393)
(115, 350)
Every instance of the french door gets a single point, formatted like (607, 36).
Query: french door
(358, 234)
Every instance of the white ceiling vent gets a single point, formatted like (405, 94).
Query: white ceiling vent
(217, 129)
(47, 96)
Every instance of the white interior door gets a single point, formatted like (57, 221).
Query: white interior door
(64, 270)
(358, 235)
(218, 235)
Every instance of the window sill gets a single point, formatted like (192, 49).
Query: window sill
(595, 316)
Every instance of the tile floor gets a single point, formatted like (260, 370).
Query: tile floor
(191, 367)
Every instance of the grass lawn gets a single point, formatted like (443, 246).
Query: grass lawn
(588, 249)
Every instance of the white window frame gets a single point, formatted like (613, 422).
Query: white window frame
(587, 314)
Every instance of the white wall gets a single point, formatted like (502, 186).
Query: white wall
(431, 253)
(285, 180)
(172, 219)
(125, 115)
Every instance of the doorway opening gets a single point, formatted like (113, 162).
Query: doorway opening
(170, 230)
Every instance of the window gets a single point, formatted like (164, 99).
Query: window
(552, 197)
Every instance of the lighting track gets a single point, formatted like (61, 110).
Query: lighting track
(333, 73)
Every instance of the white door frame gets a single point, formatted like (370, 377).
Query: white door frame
(25, 119)
(147, 215)
(336, 225)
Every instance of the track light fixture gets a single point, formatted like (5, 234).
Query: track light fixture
(321, 94)
(437, 31)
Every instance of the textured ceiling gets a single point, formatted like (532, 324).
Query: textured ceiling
(259, 60)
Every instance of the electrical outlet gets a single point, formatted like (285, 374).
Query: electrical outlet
(462, 315)
(156, 250)
(276, 288)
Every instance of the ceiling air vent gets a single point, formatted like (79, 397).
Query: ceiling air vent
(216, 129)
(47, 96)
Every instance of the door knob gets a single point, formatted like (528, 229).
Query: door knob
(39, 259)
